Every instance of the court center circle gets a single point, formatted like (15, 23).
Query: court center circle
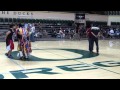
(57, 54)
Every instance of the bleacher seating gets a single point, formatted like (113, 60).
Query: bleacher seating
(47, 24)
(96, 23)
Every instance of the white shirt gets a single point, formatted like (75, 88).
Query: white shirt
(60, 32)
(96, 28)
(33, 29)
(111, 31)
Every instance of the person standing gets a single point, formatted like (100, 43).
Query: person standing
(27, 44)
(9, 41)
(61, 33)
(40, 27)
(95, 31)
(89, 35)
(32, 32)
(111, 33)
(78, 31)
(19, 32)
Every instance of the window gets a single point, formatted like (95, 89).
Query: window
(26, 20)
(10, 20)
(18, 20)
(33, 20)
(1, 20)
(21, 20)
(110, 12)
(14, 20)
(113, 23)
(6, 20)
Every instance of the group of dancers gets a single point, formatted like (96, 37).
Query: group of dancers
(24, 44)
(23, 33)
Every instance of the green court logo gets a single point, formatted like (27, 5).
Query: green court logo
(49, 71)
(85, 54)
(19, 74)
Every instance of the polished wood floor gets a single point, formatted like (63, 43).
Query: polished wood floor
(63, 60)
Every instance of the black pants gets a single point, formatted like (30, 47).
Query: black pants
(96, 42)
(90, 44)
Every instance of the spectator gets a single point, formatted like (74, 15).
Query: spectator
(9, 41)
(111, 33)
(54, 33)
(32, 33)
(45, 33)
(117, 33)
(61, 33)
(72, 34)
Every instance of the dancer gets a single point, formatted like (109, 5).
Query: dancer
(20, 41)
(9, 41)
(27, 43)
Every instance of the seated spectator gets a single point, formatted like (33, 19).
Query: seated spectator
(45, 33)
(112, 33)
(54, 34)
(61, 33)
(72, 34)
(117, 33)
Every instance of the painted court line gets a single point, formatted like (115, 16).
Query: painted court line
(18, 64)
(84, 63)
(4, 73)
(99, 67)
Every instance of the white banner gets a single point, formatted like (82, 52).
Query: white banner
(37, 15)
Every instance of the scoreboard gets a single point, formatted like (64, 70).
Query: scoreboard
(80, 18)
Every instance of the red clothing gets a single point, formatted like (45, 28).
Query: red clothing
(11, 45)
(89, 34)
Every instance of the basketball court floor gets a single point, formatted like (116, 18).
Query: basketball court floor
(63, 60)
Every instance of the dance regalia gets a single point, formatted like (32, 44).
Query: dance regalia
(9, 41)
(24, 43)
